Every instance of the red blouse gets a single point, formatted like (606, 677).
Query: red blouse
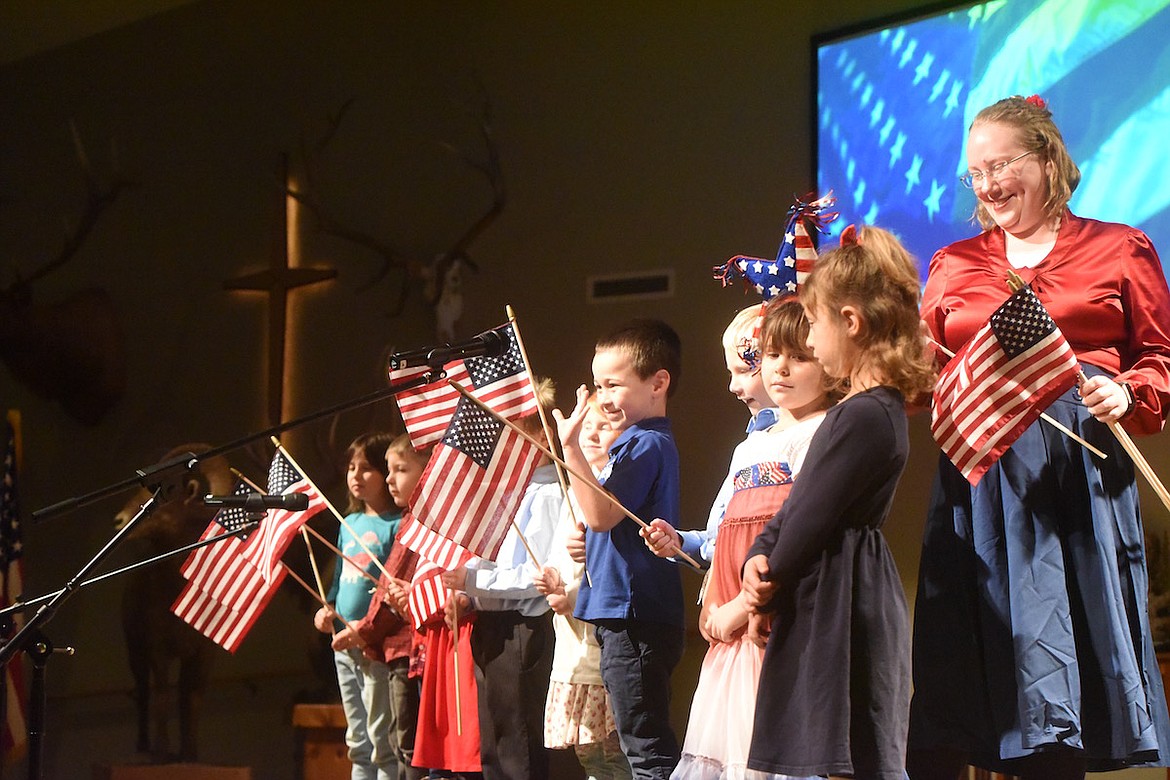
(1103, 285)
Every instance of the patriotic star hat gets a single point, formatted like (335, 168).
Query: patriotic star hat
(784, 275)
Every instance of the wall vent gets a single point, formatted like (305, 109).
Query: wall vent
(633, 286)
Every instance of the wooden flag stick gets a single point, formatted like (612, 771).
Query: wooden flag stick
(591, 482)
(321, 600)
(455, 657)
(1140, 461)
(313, 564)
(545, 426)
(1015, 282)
(1044, 416)
(317, 534)
(356, 537)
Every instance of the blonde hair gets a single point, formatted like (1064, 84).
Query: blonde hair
(1032, 123)
(546, 397)
(878, 277)
(742, 326)
(402, 447)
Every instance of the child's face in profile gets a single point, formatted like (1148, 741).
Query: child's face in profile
(747, 383)
(624, 397)
(404, 472)
(794, 379)
(829, 341)
(597, 435)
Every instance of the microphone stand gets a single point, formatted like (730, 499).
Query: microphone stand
(434, 374)
(163, 479)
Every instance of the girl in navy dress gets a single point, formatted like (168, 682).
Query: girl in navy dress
(834, 690)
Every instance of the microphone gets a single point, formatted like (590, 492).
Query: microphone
(258, 502)
(487, 344)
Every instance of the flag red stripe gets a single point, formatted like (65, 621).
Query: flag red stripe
(984, 400)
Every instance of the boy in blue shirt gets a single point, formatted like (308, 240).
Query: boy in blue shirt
(632, 597)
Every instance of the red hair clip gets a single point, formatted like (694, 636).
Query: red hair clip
(849, 236)
(1037, 101)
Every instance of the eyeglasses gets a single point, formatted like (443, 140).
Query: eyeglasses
(975, 178)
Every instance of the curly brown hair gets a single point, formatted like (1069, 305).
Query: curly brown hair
(880, 278)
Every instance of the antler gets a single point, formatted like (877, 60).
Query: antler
(100, 195)
(309, 197)
(434, 272)
(490, 168)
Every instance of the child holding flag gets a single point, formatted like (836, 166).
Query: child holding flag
(364, 682)
(632, 597)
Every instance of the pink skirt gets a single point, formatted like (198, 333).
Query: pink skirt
(719, 731)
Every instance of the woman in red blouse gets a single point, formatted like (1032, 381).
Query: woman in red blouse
(1032, 648)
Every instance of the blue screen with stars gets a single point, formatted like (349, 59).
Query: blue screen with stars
(894, 104)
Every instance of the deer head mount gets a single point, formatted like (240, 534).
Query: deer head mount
(440, 277)
(71, 352)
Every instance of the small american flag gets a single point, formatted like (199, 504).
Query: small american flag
(432, 546)
(225, 593)
(264, 548)
(999, 383)
(428, 595)
(427, 410)
(15, 704)
(223, 624)
(474, 481)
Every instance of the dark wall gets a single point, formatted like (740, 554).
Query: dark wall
(632, 137)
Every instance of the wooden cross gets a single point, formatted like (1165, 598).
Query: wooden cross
(278, 280)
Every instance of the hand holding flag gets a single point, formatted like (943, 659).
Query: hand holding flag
(999, 383)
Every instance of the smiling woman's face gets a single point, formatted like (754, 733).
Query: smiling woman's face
(1015, 197)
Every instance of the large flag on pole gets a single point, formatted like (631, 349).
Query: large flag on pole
(1010, 371)
(15, 737)
(264, 548)
(427, 410)
(225, 593)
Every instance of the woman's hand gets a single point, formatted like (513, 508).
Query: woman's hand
(1105, 399)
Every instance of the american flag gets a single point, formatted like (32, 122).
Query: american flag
(427, 410)
(264, 548)
(223, 624)
(428, 595)
(474, 481)
(225, 593)
(999, 383)
(11, 574)
(432, 546)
